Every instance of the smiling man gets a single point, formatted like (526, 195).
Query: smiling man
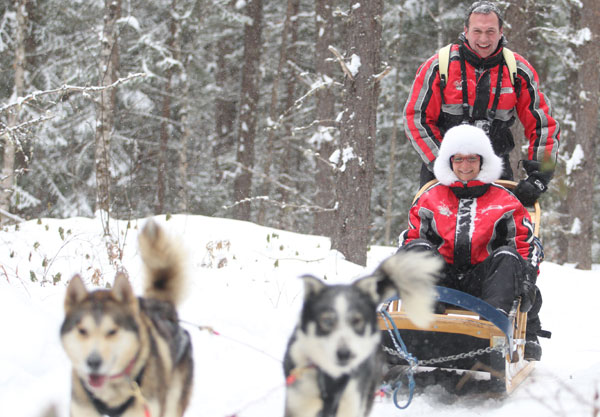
(472, 83)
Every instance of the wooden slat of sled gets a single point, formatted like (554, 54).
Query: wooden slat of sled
(514, 379)
(470, 326)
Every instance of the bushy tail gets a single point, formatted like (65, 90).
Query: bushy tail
(414, 275)
(163, 261)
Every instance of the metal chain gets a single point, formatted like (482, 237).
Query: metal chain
(433, 361)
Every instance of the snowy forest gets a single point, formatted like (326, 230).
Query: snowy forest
(286, 113)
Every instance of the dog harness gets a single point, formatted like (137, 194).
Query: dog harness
(104, 409)
(331, 392)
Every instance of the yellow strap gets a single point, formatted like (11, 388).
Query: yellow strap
(511, 63)
(444, 61)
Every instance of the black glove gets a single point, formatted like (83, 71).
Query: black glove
(530, 189)
(528, 290)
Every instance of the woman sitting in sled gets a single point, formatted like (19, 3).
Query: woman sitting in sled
(482, 231)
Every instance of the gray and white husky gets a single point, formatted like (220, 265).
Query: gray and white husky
(129, 355)
(333, 360)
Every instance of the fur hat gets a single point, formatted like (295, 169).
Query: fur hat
(467, 139)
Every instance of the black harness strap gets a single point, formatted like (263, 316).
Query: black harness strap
(498, 91)
(331, 392)
(465, 88)
(465, 94)
(104, 409)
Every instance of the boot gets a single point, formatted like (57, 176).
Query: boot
(533, 349)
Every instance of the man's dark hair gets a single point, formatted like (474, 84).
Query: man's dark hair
(484, 7)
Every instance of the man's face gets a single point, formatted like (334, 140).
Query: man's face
(483, 33)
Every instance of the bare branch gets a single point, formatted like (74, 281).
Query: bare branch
(382, 74)
(341, 61)
(325, 123)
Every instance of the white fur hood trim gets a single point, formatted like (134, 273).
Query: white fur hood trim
(467, 139)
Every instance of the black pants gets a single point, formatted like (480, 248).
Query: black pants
(496, 280)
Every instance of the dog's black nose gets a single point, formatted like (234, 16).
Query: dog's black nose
(94, 361)
(343, 355)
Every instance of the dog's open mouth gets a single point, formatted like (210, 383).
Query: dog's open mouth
(96, 381)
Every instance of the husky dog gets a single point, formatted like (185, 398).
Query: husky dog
(333, 359)
(129, 355)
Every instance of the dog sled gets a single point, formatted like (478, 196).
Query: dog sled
(469, 347)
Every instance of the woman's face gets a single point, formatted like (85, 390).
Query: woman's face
(466, 166)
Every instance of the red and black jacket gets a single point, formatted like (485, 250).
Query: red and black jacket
(467, 222)
(430, 112)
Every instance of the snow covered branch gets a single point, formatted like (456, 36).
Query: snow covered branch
(67, 89)
(283, 205)
(12, 129)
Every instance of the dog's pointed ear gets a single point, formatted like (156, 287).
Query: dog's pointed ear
(76, 293)
(369, 285)
(122, 290)
(312, 285)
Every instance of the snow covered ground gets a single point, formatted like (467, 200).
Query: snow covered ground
(243, 283)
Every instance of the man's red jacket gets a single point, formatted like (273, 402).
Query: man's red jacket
(427, 118)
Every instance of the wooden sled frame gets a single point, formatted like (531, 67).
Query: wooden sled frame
(507, 370)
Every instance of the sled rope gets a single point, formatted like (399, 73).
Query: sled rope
(267, 394)
(212, 331)
(403, 353)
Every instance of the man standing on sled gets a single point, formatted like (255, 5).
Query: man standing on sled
(481, 229)
(480, 82)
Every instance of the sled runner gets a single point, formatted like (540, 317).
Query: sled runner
(470, 341)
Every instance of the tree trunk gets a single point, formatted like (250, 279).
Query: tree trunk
(109, 63)
(324, 221)
(225, 104)
(398, 51)
(292, 157)
(186, 135)
(560, 224)
(389, 211)
(242, 187)
(165, 124)
(7, 182)
(521, 17)
(358, 133)
(581, 193)
(265, 189)
(164, 140)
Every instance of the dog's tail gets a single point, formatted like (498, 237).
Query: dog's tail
(413, 275)
(163, 262)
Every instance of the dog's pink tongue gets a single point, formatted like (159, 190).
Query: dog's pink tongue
(97, 381)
